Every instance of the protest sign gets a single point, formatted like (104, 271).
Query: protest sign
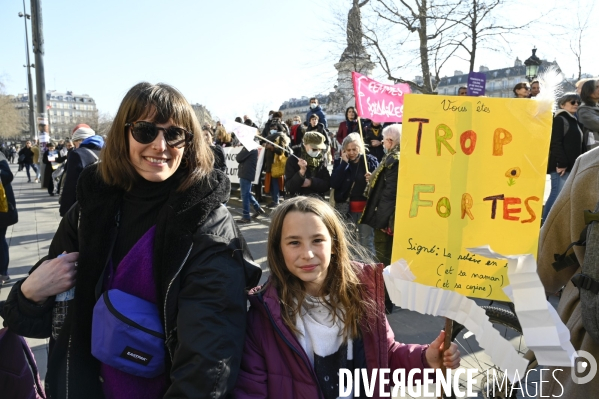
(476, 83)
(472, 173)
(377, 101)
(244, 133)
(232, 166)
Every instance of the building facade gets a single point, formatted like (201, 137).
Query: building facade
(65, 111)
(500, 82)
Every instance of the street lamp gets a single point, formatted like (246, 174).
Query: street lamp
(532, 65)
(32, 127)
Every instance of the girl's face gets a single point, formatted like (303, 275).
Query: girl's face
(571, 106)
(523, 92)
(313, 122)
(306, 247)
(351, 114)
(155, 161)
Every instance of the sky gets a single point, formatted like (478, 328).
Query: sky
(233, 56)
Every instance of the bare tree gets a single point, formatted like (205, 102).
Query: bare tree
(479, 25)
(104, 122)
(11, 122)
(260, 114)
(582, 25)
(435, 38)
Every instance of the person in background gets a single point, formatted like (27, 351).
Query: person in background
(535, 88)
(248, 161)
(27, 154)
(223, 138)
(316, 110)
(373, 139)
(81, 133)
(87, 153)
(12, 153)
(349, 181)
(322, 310)
(219, 153)
(274, 185)
(35, 148)
(276, 118)
(62, 159)
(6, 177)
(379, 212)
(522, 90)
(156, 196)
(296, 132)
(48, 159)
(349, 125)
(463, 91)
(567, 144)
(308, 175)
(588, 112)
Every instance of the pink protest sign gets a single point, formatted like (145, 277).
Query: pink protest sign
(377, 101)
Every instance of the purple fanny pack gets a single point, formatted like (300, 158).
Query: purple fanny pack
(127, 334)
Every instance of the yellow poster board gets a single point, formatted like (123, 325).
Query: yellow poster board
(471, 173)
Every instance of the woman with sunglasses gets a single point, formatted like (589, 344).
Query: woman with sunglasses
(149, 223)
(567, 144)
(522, 90)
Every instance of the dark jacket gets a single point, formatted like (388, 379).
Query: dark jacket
(274, 364)
(7, 177)
(369, 136)
(28, 155)
(321, 179)
(321, 116)
(380, 207)
(77, 160)
(566, 145)
(220, 162)
(346, 177)
(589, 117)
(48, 169)
(247, 160)
(202, 268)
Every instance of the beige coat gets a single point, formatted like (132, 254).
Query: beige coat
(562, 227)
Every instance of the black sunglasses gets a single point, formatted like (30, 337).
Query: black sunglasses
(575, 102)
(145, 132)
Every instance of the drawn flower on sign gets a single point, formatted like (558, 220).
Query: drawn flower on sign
(512, 174)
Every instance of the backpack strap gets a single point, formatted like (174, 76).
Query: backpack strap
(588, 283)
(565, 260)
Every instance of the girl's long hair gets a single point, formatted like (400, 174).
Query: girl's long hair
(346, 295)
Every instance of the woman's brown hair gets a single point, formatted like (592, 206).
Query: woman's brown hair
(346, 295)
(162, 103)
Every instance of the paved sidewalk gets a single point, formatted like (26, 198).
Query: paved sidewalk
(29, 240)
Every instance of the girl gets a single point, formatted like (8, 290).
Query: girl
(320, 312)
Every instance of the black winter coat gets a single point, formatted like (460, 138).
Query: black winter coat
(567, 145)
(248, 161)
(369, 136)
(321, 179)
(202, 268)
(7, 177)
(380, 207)
(346, 177)
(28, 155)
(77, 160)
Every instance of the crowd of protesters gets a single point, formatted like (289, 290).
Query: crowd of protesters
(145, 231)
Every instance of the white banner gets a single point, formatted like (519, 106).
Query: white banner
(244, 133)
(233, 166)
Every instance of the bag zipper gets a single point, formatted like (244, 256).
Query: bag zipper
(166, 298)
(127, 320)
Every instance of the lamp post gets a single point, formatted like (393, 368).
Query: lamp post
(32, 127)
(532, 65)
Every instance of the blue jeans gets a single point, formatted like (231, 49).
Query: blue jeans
(365, 232)
(557, 183)
(274, 189)
(34, 166)
(3, 252)
(245, 187)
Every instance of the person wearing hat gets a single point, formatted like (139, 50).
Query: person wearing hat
(87, 152)
(48, 159)
(307, 173)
